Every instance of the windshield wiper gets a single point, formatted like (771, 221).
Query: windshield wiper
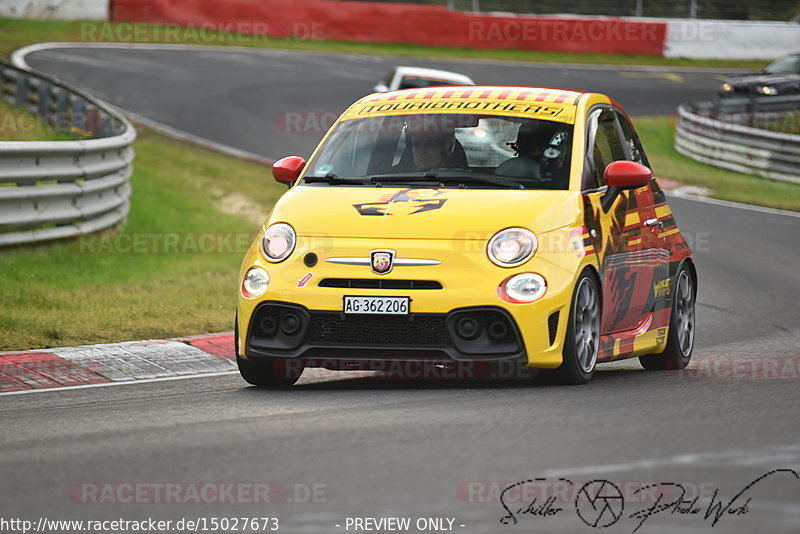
(453, 177)
(482, 179)
(421, 177)
(333, 179)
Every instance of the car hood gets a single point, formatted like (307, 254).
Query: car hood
(763, 79)
(416, 213)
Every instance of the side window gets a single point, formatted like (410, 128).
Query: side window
(632, 144)
(607, 147)
(389, 78)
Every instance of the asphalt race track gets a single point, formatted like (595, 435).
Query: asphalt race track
(433, 448)
(242, 98)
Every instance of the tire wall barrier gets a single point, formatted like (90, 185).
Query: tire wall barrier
(734, 134)
(61, 189)
(420, 24)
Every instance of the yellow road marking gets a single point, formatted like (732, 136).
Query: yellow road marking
(671, 76)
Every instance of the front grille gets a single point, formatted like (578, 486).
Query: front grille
(378, 283)
(419, 330)
(552, 326)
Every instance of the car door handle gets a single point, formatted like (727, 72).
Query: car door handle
(653, 222)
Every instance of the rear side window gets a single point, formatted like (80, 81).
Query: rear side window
(632, 144)
(387, 81)
(606, 148)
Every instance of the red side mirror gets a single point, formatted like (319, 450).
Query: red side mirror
(287, 170)
(627, 175)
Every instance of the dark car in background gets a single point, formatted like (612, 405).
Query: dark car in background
(781, 77)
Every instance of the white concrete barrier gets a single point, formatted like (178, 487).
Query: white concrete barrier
(56, 9)
(730, 39)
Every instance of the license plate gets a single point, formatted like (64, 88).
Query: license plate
(377, 305)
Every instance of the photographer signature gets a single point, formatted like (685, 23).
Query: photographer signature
(601, 503)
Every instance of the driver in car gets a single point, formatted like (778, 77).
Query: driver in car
(428, 148)
(529, 147)
(432, 150)
(540, 154)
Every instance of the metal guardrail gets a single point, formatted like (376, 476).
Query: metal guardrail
(59, 189)
(726, 133)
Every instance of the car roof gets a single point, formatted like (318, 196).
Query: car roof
(435, 73)
(533, 102)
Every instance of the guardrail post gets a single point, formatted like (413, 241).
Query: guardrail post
(78, 119)
(62, 109)
(3, 79)
(22, 90)
(92, 123)
(44, 99)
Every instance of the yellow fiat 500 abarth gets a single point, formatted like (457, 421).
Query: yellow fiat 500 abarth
(448, 226)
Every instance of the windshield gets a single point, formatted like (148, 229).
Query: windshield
(461, 150)
(784, 64)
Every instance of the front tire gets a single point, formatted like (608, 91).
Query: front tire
(582, 340)
(270, 372)
(680, 339)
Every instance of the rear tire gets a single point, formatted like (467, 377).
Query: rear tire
(582, 340)
(267, 372)
(680, 338)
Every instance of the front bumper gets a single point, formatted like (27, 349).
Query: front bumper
(464, 281)
(287, 330)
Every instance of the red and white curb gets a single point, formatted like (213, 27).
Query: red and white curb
(114, 363)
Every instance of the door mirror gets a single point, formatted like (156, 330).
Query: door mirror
(287, 170)
(621, 175)
(627, 175)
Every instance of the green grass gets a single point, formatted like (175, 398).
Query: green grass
(18, 33)
(73, 292)
(658, 134)
(17, 124)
